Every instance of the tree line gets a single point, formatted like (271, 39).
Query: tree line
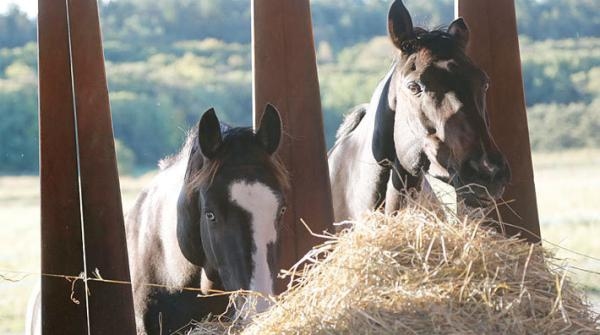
(157, 24)
(170, 60)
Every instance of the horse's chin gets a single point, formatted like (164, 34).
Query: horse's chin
(433, 167)
(465, 193)
(475, 201)
(472, 194)
(479, 196)
(442, 177)
(437, 171)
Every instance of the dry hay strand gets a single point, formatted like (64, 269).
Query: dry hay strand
(419, 272)
(241, 310)
(212, 327)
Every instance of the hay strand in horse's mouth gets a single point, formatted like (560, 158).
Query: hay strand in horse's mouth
(421, 272)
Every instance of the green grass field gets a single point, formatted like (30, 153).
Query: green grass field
(567, 185)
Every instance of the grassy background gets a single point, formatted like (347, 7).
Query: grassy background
(567, 186)
(569, 205)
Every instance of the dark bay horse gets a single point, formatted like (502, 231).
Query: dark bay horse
(428, 114)
(208, 220)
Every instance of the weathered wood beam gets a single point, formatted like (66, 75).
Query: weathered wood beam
(62, 250)
(285, 74)
(79, 178)
(494, 45)
(111, 305)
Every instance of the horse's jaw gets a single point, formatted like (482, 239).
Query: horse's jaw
(437, 171)
(409, 143)
(435, 152)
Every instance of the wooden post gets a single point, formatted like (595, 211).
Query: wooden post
(494, 46)
(111, 305)
(285, 74)
(62, 250)
(77, 154)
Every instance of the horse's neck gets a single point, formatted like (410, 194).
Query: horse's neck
(358, 179)
(156, 221)
(366, 129)
(363, 134)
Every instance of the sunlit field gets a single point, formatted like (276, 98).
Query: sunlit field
(567, 186)
(568, 200)
(20, 243)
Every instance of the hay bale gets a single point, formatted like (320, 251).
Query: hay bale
(418, 273)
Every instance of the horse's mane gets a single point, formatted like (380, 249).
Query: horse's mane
(169, 161)
(191, 140)
(351, 121)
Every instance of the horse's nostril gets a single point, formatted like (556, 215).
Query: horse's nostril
(483, 167)
(500, 172)
(489, 168)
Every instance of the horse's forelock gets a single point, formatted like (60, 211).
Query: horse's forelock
(351, 121)
(279, 171)
(206, 174)
(201, 171)
(437, 40)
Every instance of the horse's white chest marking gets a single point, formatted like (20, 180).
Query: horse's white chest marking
(262, 204)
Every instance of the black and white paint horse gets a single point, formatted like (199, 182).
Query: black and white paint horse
(208, 220)
(428, 114)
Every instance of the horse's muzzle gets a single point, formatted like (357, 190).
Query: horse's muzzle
(482, 180)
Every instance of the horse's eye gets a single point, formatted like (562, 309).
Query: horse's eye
(282, 210)
(486, 86)
(414, 87)
(210, 216)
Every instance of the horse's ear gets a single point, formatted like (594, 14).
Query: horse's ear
(460, 32)
(188, 227)
(400, 26)
(209, 134)
(269, 131)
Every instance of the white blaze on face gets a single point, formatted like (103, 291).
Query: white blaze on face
(444, 64)
(450, 104)
(262, 204)
(451, 100)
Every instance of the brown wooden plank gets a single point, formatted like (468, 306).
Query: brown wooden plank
(62, 251)
(285, 74)
(111, 305)
(494, 45)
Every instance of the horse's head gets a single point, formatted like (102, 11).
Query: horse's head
(438, 95)
(232, 203)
